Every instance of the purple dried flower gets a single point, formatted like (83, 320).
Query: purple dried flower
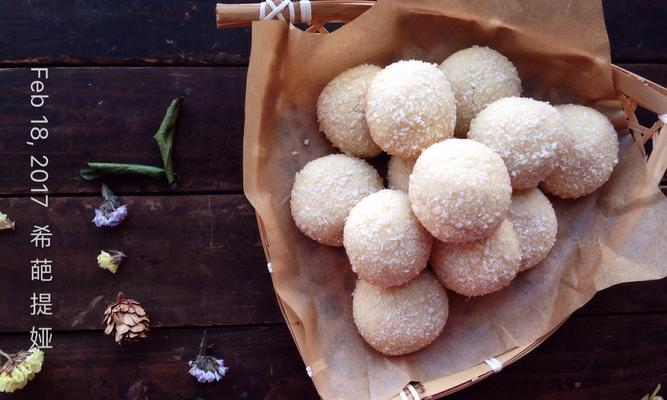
(111, 212)
(110, 219)
(207, 368)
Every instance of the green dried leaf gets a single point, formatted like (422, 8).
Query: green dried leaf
(94, 170)
(165, 139)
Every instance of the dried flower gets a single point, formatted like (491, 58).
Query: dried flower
(19, 369)
(110, 260)
(126, 320)
(207, 368)
(111, 212)
(5, 222)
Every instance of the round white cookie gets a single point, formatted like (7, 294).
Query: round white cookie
(385, 242)
(325, 190)
(401, 319)
(459, 190)
(410, 106)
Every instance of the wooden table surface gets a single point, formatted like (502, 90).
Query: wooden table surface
(195, 258)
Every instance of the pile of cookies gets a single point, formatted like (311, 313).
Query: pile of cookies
(467, 157)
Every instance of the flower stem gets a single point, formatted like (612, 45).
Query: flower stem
(8, 362)
(202, 345)
(7, 356)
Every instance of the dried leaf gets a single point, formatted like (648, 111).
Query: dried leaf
(95, 170)
(165, 139)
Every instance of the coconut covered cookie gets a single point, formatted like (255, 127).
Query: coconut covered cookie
(479, 76)
(410, 106)
(587, 155)
(460, 190)
(325, 190)
(398, 173)
(479, 267)
(385, 242)
(534, 221)
(341, 111)
(402, 319)
(525, 132)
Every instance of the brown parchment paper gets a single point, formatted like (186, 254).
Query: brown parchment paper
(561, 50)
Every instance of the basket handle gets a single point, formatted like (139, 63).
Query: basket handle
(636, 91)
(314, 13)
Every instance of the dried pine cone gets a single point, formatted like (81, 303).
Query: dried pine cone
(126, 319)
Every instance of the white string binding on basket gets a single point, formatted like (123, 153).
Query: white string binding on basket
(413, 393)
(494, 364)
(276, 11)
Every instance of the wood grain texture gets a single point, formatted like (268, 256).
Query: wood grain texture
(611, 358)
(127, 32)
(192, 261)
(634, 30)
(629, 298)
(158, 32)
(588, 358)
(111, 114)
(203, 237)
(263, 361)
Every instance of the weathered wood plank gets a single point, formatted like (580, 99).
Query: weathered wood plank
(588, 358)
(628, 298)
(152, 32)
(111, 114)
(634, 30)
(263, 361)
(654, 72)
(192, 260)
(127, 32)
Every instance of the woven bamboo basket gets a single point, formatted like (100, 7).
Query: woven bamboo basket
(633, 92)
